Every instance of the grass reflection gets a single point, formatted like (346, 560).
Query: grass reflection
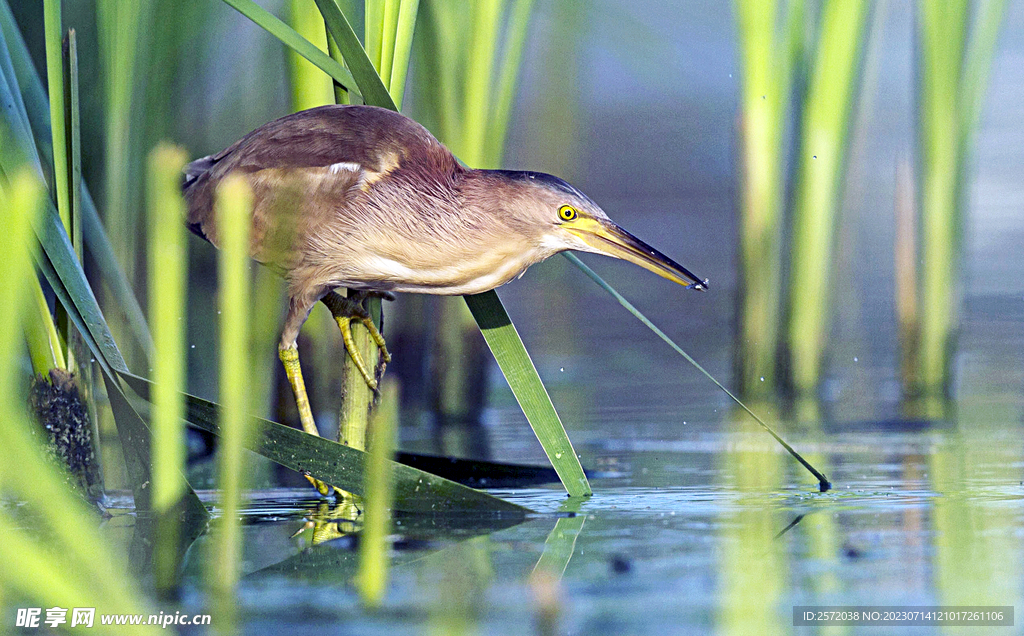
(976, 558)
(752, 564)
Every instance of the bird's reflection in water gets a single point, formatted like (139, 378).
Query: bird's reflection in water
(334, 520)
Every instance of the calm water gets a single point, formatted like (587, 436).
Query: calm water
(713, 530)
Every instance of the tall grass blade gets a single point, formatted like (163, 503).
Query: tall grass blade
(123, 32)
(88, 567)
(168, 264)
(374, 30)
(44, 345)
(58, 126)
(34, 122)
(823, 482)
(389, 28)
(373, 544)
(293, 40)
(74, 137)
(370, 85)
(824, 133)
(515, 363)
(234, 206)
(508, 79)
(404, 29)
(310, 87)
(767, 58)
(485, 22)
(953, 60)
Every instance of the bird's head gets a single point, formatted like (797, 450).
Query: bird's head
(559, 217)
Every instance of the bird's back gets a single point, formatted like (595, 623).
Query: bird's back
(308, 169)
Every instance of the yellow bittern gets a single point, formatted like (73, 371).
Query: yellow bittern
(364, 198)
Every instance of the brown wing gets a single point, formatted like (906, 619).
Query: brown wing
(324, 153)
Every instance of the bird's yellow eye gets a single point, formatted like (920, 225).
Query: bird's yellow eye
(567, 213)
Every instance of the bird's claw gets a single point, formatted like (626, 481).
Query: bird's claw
(323, 488)
(345, 324)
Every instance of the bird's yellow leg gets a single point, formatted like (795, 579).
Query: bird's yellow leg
(292, 369)
(345, 310)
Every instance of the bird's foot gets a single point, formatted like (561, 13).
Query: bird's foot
(345, 324)
(323, 488)
(345, 310)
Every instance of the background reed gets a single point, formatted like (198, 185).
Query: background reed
(168, 264)
(233, 210)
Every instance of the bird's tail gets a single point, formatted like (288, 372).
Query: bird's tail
(196, 169)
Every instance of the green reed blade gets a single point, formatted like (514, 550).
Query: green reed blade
(373, 544)
(533, 398)
(370, 85)
(309, 86)
(823, 482)
(769, 48)
(955, 49)
(12, 107)
(58, 128)
(825, 129)
(508, 79)
(404, 30)
(978, 63)
(389, 27)
(87, 563)
(168, 264)
(123, 38)
(34, 122)
(374, 30)
(44, 346)
(74, 140)
(296, 42)
(344, 467)
(477, 80)
(233, 211)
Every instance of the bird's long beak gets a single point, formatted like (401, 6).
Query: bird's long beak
(610, 239)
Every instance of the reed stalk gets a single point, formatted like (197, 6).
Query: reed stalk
(74, 139)
(234, 204)
(955, 52)
(87, 571)
(824, 132)
(767, 56)
(309, 85)
(69, 58)
(58, 122)
(168, 264)
(372, 577)
(122, 29)
(44, 344)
